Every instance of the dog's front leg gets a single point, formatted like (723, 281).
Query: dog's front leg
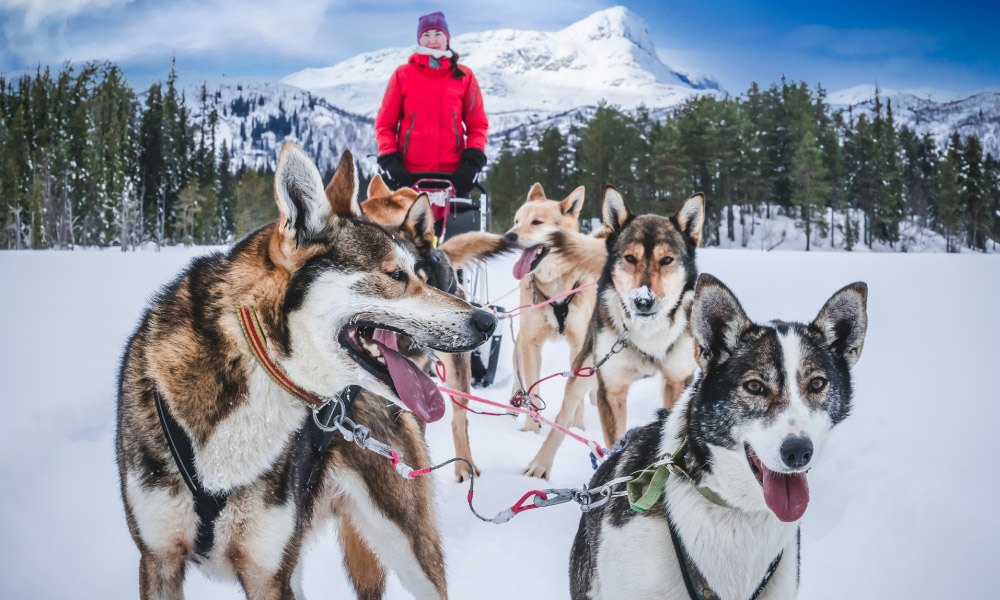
(541, 465)
(161, 576)
(394, 515)
(612, 392)
(528, 357)
(363, 566)
(458, 369)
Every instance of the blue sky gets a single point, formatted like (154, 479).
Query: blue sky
(901, 45)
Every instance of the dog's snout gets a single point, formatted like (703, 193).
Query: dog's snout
(796, 452)
(643, 304)
(511, 237)
(484, 321)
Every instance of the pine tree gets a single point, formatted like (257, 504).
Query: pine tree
(254, 202)
(152, 166)
(864, 182)
(809, 185)
(889, 208)
(505, 195)
(919, 161)
(975, 195)
(227, 191)
(948, 195)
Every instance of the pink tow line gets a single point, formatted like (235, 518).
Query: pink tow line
(596, 448)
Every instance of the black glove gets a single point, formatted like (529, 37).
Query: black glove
(392, 165)
(464, 177)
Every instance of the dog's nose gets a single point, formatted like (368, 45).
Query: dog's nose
(484, 321)
(796, 452)
(511, 237)
(643, 304)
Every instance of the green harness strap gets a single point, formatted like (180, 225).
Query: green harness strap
(646, 487)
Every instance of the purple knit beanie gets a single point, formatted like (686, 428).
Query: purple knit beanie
(435, 20)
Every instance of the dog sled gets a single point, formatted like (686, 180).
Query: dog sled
(454, 215)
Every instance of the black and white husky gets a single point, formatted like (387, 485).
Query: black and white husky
(744, 436)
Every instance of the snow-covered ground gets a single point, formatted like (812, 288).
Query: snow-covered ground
(902, 500)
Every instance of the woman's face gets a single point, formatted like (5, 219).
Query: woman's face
(435, 39)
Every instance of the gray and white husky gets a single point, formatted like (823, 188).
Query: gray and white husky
(748, 431)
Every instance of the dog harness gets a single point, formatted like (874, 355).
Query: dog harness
(208, 505)
(559, 308)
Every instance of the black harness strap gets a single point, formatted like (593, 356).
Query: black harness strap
(560, 308)
(696, 584)
(207, 505)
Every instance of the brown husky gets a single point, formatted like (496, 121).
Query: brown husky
(332, 291)
(409, 217)
(540, 279)
(647, 276)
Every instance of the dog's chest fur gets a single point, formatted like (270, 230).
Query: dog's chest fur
(650, 341)
(245, 445)
(632, 553)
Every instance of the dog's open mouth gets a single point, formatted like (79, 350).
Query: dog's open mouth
(376, 349)
(529, 260)
(786, 494)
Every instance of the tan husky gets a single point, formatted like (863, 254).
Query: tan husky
(333, 293)
(408, 215)
(535, 221)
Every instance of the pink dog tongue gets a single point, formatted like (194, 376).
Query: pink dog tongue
(786, 495)
(414, 387)
(523, 265)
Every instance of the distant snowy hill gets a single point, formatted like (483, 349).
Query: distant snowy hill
(256, 116)
(931, 111)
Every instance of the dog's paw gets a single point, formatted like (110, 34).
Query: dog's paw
(531, 426)
(463, 472)
(539, 468)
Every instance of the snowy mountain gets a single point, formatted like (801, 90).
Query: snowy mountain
(528, 75)
(931, 111)
(256, 116)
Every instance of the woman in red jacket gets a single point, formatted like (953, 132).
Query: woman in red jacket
(432, 117)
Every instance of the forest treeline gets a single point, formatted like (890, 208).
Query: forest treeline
(86, 161)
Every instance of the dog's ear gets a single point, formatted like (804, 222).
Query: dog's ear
(614, 211)
(691, 217)
(377, 187)
(342, 192)
(305, 213)
(573, 203)
(843, 320)
(717, 321)
(536, 193)
(418, 226)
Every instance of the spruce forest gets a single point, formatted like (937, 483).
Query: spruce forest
(86, 161)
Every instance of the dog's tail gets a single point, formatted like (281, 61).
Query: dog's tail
(580, 254)
(475, 245)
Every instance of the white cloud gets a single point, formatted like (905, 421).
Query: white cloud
(36, 11)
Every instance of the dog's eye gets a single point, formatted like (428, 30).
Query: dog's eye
(755, 387)
(399, 275)
(536, 222)
(817, 384)
(630, 259)
(666, 260)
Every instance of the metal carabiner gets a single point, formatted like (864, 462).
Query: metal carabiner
(554, 497)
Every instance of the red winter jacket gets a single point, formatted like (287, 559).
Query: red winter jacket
(430, 116)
